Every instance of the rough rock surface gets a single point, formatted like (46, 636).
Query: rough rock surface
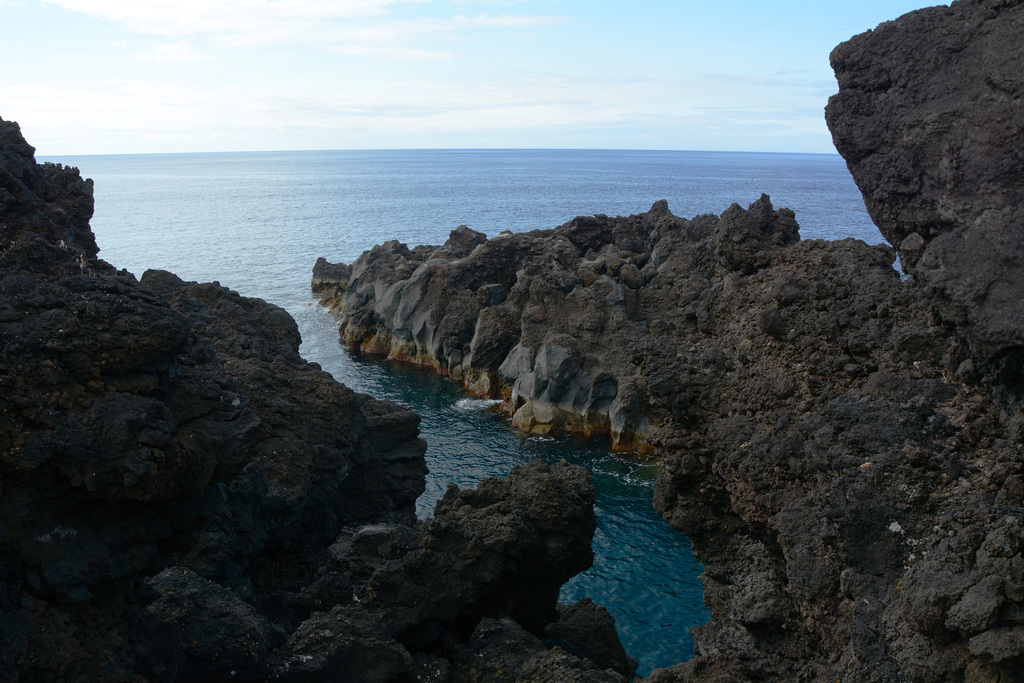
(930, 118)
(845, 448)
(553, 321)
(45, 200)
(182, 497)
(822, 432)
(847, 470)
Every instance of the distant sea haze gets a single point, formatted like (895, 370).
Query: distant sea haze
(256, 222)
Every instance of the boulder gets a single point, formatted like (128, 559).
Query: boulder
(928, 117)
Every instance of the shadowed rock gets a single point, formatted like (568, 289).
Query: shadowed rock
(183, 497)
(929, 118)
(45, 200)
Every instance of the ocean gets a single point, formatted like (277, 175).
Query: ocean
(257, 221)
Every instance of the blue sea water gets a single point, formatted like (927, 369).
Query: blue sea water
(256, 222)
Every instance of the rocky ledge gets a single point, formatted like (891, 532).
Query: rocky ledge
(554, 322)
(842, 445)
(183, 497)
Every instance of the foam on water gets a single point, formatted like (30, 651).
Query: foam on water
(476, 403)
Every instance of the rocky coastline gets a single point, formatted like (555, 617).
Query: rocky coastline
(555, 322)
(843, 445)
(183, 497)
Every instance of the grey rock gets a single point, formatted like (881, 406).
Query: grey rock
(772, 323)
(330, 279)
(588, 630)
(502, 650)
(48, 201)
(978, 609)
(345, 644)
(1000, 645)
(222, 636)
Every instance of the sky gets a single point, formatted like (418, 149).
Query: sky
(152, 76)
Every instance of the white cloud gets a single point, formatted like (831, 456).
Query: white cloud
(170, 54)
(224, 17)
(392, 39)
(358, 24)
(393, 52)
(277, 78)
(157, 116)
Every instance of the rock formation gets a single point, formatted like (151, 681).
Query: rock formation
(182, 497)
(929, 118)
(553, 321)
(843, 446)
(47, 200)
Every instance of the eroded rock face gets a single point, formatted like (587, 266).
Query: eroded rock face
(183, 497)
(552, 321)
(930, 120)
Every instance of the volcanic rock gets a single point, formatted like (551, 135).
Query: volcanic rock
(183, 497)
(553, 321)
(842, 445)
(929, 118)
(46, 200)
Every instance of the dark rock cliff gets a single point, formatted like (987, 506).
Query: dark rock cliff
(182, 497)
(929, 117)
(843, 446)
(814, 420)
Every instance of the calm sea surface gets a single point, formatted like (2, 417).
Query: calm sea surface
(256, 222)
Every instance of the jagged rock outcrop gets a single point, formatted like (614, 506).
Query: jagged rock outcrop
(552, 321)
(929, 117)
(183, 497)
(45, 200)
(843, 446)
(501, 551)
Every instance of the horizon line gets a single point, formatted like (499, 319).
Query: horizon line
(437, 149)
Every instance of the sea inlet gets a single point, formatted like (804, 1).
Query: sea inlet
(256, 222)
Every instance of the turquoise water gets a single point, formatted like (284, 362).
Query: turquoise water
(256, 222)
(644, 572)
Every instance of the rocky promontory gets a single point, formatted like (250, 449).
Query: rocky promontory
(554, 322)
(843, 445)
(183, 497)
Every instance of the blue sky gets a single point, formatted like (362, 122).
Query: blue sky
(135, 76)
